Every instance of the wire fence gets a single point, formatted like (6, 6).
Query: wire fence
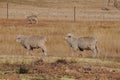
(19, 11)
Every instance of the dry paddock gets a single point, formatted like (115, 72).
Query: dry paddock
(106, 32)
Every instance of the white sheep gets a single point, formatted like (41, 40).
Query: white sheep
(32, 42)
(82, 43)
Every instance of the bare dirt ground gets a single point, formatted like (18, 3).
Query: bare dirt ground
(40, 70)
(77, 71)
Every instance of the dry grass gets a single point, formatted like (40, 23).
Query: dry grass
(7, 59)
(60, 10)
(60, 3)
(107, 34)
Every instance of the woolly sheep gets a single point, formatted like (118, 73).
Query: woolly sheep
(82, 43)
(32, 42)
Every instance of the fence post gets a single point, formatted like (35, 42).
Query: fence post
(115, 3)
(7, 10)
(74, 13)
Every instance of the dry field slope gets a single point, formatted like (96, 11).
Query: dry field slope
(56, 68)
(55, 21)
(106, 32)
(60, 10)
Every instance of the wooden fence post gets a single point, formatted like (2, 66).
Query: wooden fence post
(7, 10)
(74, 14)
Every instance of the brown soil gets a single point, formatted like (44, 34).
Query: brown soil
(75, 70)
(63, 68)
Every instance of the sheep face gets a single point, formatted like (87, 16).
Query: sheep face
(68, 36)
(19, 38)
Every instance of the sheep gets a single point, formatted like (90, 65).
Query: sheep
(32, 42)
(82, 43)
(32, 19)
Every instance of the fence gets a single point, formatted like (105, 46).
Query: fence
(17, 11)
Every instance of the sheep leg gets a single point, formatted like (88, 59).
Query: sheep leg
(97, 51)
(29, 50)
(94, 52)
(74, 50)
(30, 21)
(93, 49)
(44, 50)
(35, 21)
(80, 55)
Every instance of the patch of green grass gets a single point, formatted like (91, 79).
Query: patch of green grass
(7, 72)
(43, 77)
(85, 61)
(38, 77)
(66, 78)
